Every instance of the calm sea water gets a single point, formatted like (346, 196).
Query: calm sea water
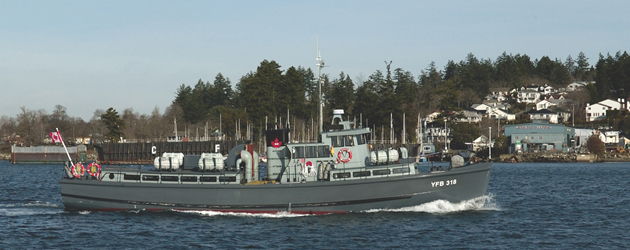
(535, 206)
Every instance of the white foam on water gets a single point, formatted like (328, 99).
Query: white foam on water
(27, 208)
(281, 214)
(30, 204)
(27, 211)
(482, 203)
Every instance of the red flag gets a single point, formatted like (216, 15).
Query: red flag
(55, 136)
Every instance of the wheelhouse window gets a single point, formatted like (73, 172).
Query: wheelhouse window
(310, 152)
(361, 139)
(337, 141)
(299, 152)
(323, 151)
(349, 140)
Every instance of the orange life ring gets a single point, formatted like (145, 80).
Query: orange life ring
(78, 170)
(94, 169)
(342, 158)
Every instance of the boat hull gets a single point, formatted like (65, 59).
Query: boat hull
(454, 185)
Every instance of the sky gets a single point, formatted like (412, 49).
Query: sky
(88, 55)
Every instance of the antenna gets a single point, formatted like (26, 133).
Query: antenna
(320, 65)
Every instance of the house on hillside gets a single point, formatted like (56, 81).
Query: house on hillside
(478, 144)
(574, 86)
(502, 115)
(598, 110)
(544, 104)
(544, 114)
(470, 116)
(528, 96)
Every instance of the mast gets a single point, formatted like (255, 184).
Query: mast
(320, 65)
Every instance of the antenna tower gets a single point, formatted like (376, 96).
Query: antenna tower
(320, 65)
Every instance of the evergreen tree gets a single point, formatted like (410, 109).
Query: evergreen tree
(290, 93)
(342, 94)
(222, 93)
(258, 92)
(114, 124)
(582, 66)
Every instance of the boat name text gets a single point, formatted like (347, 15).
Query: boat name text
(443, 183)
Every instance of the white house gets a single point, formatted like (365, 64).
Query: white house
(470, 116)
(481, 107)
(577, 85)
(598, 110)
(501, 114)
(528, 96)
(544, 114)
(544, 104)
(478, 144)
(612, 137)
(548, 90)
(432, 116)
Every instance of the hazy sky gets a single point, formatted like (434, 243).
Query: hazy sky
(88, 55)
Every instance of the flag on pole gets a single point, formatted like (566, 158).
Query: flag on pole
(55, 136)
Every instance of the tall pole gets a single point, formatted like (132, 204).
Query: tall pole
(573, 114)
(404, 130)
(445, 148)
(64, 147)
(489, 143)
(320, 65)
(498, 126)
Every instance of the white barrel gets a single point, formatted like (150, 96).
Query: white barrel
(404, 153)
(178, 156)
(384, 156)
(457, 161)
(393, 155)
(211, 161)
(166, 163)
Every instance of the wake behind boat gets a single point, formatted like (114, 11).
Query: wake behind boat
(340, 173)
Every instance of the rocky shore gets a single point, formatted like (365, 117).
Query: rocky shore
(564, 157)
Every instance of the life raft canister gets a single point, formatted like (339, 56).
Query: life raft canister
(344, 155)
(78, 170)
(94, 169)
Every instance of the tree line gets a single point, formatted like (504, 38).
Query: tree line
(267, 94)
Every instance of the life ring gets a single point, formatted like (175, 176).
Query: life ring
(78, 170)
(342, 155)
(94, 169)
(308, 170)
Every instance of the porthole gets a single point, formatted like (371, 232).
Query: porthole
(111, 176)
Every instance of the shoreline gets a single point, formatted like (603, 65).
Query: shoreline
(563, 157)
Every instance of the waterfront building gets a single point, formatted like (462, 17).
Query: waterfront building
(538, 136)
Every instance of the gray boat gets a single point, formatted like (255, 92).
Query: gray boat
(340, 173)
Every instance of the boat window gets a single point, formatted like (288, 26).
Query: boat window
(310, 152)
(209, 179)
(323, 151)
(170, 178)
(361, 139)
(401, 170)
(360, 173)
(337, 141)
(341, 175)
(189, 178)
(382, 172)
(299, 152)
(349, 140)
(131, 177)
(150, 178)
(227, 178)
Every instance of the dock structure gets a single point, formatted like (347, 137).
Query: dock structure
(46, 154)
